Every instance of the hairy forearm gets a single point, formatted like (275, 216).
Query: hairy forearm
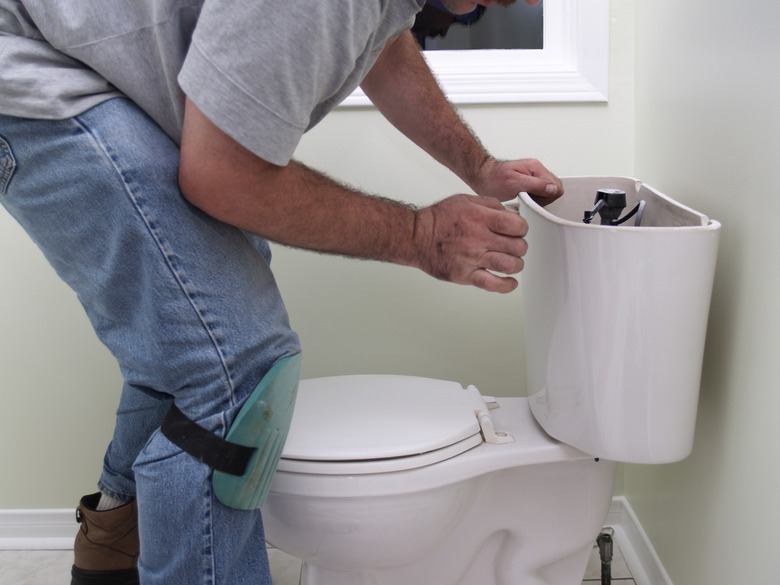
(291, 205)
(297, 206)
(403, 88)
(462, 239)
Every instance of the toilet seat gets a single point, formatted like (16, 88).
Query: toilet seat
(349, 425)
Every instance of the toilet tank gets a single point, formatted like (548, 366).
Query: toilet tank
(615, 320)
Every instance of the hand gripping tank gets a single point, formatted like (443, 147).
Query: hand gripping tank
(615, 320)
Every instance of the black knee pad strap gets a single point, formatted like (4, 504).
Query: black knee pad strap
(204, 445)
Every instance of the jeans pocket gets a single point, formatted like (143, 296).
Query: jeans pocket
(7, 164)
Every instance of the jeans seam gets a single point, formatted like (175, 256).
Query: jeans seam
(212, 568)
(180, 278)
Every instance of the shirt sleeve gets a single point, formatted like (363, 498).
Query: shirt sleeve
(261, 69)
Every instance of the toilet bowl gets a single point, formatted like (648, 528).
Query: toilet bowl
(406, 489)
(389, 480)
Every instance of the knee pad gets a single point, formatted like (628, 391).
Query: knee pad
(244, 461)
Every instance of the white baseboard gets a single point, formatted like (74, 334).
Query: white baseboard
(37, 529)
(56, 529)
(640, 556)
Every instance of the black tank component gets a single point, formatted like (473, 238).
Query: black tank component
(609, 204)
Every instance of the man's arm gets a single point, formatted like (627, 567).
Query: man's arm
(460, 239)
(403, 88)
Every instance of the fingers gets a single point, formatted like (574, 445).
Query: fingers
(543, 183)
(474, 240)
(494, 268)
(547, 196)
(544, 188)
(504, 221)
(503, 262)
(505, 179)
(494, 283)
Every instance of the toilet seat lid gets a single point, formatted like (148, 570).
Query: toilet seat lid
(380, 417)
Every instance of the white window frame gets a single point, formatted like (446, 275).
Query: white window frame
(572, 67)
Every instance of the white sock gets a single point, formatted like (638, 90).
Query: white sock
(108, 503)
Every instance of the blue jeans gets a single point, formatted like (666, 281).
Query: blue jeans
(186, 304)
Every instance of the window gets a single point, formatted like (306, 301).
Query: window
(571, 67)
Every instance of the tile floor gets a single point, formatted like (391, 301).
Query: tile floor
(42, 567)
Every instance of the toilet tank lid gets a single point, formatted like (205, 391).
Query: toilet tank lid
(368, 417)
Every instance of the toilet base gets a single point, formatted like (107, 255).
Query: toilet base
(528, 525)
(566, 571)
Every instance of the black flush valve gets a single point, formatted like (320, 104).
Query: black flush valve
(609, 204)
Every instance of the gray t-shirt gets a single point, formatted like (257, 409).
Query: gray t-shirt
(264, 71)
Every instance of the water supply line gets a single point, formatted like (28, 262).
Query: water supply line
(604, 542)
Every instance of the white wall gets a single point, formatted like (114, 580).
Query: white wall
(58, 384)
(58, 387)
(708, 132)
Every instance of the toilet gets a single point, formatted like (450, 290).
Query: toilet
(403, 480)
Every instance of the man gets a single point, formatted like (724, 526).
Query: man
(434, 20)
(147, 149)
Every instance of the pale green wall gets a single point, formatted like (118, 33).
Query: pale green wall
(708, 131)
(58, 387)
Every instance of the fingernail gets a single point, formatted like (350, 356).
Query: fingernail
(550, 189)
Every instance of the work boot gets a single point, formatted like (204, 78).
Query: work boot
(106, 549)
